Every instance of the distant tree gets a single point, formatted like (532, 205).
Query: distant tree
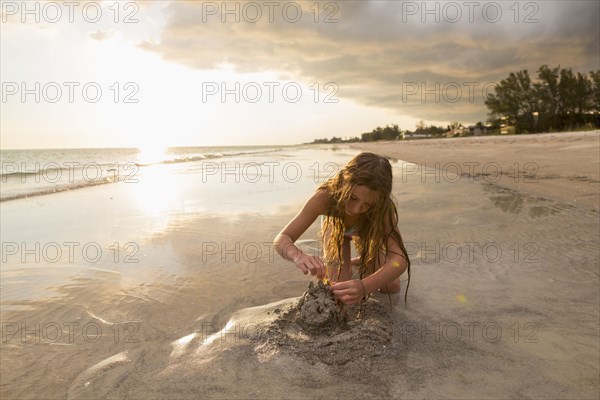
(595, 95)
(514, 99)
(379, 133)
(558, 100)
(574, 91)
(455, 125)
(548, 94)
(432, 130)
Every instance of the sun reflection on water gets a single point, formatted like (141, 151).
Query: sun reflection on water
(158, 188)
(151, 154)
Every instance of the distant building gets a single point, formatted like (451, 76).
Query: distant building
(417, 135)
(503, 126)
(476, 130)
(458, 131)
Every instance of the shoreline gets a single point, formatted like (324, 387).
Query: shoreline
(561, 166)
(183, 254)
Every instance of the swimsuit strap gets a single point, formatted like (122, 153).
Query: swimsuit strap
(349, 232)
(352, 231)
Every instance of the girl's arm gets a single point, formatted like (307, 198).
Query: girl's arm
(353, 291)
(394, 266)
(284, 242)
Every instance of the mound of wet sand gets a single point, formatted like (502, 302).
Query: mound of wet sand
(303, 347)
(320, 328)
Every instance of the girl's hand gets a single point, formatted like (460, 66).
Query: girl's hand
(311, 264)
(349, 292)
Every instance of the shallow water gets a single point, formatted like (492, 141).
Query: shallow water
(503, 300)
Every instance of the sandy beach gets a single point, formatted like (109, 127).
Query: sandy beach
(503, 302)
(563, 166)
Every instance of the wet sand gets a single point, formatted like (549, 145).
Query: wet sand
(503, 302)
(562, 166)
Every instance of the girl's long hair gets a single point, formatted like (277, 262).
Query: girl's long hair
(375, 226)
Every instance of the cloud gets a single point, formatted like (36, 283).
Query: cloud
(101, 35)
(375, 50)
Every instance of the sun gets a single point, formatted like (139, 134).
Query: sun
(152, 154)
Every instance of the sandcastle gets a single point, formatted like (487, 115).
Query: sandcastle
(319, 310)
(320, 328)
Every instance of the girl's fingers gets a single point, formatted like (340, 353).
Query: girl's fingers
(342, 287)
(347, 292)
(302, 268)
(313, 265)
(312, 270)
(349, 300)
(323, 268)
(341, 293)
(320, 268)
(316, 267)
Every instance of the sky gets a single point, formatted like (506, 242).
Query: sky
(223, 73)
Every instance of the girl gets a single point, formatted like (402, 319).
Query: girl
(356, 205)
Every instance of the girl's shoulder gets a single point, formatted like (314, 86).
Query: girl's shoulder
(319, 201)
(323, 196)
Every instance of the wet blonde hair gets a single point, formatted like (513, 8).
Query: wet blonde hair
(375, 226)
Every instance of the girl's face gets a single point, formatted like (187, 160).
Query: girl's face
(361, 199)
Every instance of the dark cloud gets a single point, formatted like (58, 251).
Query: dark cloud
(374, 49)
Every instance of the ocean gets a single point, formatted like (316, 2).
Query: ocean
(27, 173)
